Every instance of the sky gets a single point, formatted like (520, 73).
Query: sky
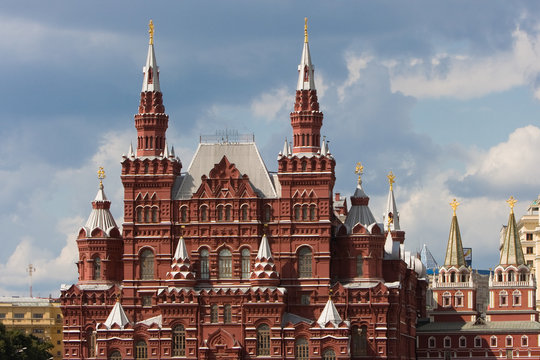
(444, 94)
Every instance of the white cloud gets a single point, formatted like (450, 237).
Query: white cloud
(463, 76)
(355, 64)
(269, 104)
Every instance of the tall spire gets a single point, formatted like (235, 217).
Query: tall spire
(454, 249)
(151, 121)
(391, 216)
(306, 119)
(512, 252)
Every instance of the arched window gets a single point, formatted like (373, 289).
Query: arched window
(91, 343)
(516, 297)
(219, 211)
(462, 341)
(154, 214)
(493, 341)
(205, 265)
(522, 276)
(499, 276)
(297, 213)
(139, 214)
(147, 214)
(477, 341)
(263, 340)
(301, 349)
(431, 342)
(246, 263)
(359, 265)
(244, 211)
(312, 213)
(463, 277)
(225, 264)
(115, 355)
(227, 314)
(509, 341)
(146, 168)
(452, 277)
(267, 213)
(329, 355)
(304, 213)
(511, 275)
(228, 213)
(304, 262)
(97, 268)
(524, 341)
(459, 299)
(213, 313)
(359, 340)
(147, 264)
(447, 299)
(183, 214)
(179, 341)
(447, 342)
(304, 166)
(140, 350)
(503, 298)
(204, 213)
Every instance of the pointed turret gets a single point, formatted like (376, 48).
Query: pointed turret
(454, 249)
(181, 268)
(151, 121)
(329, 315)
(264, 270)
(359, 213)
(117, 316)
(100, 217)
(512, 252)
(391, 216)
(306, 119)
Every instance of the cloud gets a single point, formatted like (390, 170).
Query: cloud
(355, 64)
(269, 104)
(466, 76)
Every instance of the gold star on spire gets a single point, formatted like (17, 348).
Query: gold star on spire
(511, 202)
(305, 31)
(101, 175)
(359, 170)
(391, 180)
(151, 32)
(454, 204)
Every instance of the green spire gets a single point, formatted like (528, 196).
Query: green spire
(512, 253)
(454, 249)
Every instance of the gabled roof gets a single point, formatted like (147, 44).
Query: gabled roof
(246, 158)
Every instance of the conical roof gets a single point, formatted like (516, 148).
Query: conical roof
(181, 268)
(359, 211)
(101, 216)
(305, 69)
(329, 314)
(454, 249)
(427, 258)
(264, 268)
(181, 251)
(151, 72)
(512, 252)
(117, 316)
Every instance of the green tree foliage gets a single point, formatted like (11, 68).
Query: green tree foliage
(16, 345)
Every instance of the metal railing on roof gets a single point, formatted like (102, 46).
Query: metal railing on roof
(227, 137)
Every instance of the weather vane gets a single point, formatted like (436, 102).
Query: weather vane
(101, 175)
(305, 31)
(359, 171)
(391, 179)
(511, 202)
(454, 204)
(151, 32)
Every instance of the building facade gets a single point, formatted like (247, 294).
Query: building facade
(34, 316)
(458, 327)
(227, 260)
(529, 234)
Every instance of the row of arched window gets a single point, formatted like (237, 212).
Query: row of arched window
(225, 263)
(305, 212)
(147, 214)
(148, 142)
(510, 276)
(306, 140)
(462, 341)
(458, 299)
(223, 212)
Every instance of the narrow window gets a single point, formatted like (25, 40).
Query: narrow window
(511, 276)
(183, 214)
(154, 214)
(447, 342)
(462, 342)
(297, 213)
(459, 299)
(139, 214)
(147, 265)
(493, 341)
(304, 213)
(359, 265)
(214, 313)
(204, 213)
(91, 343)
(225, 264)
(516, 295)
(509, 341)
(431, 342)
(179, 341)
(227, 314)
(447, 299)
(220, 213)
(227, 213)
(503, 298)
(524, 341)
(301, 349)
(312, 214)
(263, 340)
(359, 340)
(97, 268)
(140, 350)
(452, 277)
(205, 268)
(522, 276)
(304, 263)
(147, 214)
(244, 213)
(477, 341)
(246, 264)
(267, 213)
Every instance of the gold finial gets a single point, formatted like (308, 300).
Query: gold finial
(454, 204)
(359, 170)
(330, 294)
(101, 175)
(511, 202)
(391, 179)
(151, 32)
(305, 30)
(390, 220)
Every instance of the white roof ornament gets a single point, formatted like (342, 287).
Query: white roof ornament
(151, 70)
(289, 153)
(285, 150)
(329, 315)
(264, 250)
(166, 151)
(324, 149)
(391, 248)
(305, 69)
(131, 154)
(117, 316)
(181, 251)
(391, 216)
(172, 152)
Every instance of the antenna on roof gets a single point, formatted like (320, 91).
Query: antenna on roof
(30, 270)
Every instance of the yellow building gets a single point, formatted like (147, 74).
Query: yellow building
(529, 233)
(39, 317)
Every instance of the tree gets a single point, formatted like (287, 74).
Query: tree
(16, 345)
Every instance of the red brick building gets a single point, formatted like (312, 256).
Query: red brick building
(227, 260)
(457, 330)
